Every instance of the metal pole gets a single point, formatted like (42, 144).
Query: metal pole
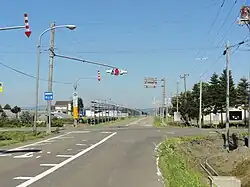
(163, 96)
(177, 97)
(227, 96)
(12, 28)
(75, 120)
(249, 109)
(200, 111)
(52, 40)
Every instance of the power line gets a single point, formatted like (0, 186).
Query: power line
(29, 75)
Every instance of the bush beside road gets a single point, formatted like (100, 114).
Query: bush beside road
(8, 138)
(178, 169)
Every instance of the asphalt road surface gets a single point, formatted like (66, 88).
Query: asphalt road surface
(117, 156)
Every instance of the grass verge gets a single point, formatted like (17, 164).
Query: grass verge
(8, 138)
(177, 168)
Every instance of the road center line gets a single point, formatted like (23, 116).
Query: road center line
(51, 170)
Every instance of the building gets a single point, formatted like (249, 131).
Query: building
(63, 107)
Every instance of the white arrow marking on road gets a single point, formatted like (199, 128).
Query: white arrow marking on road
(23, 178)
(27, 155)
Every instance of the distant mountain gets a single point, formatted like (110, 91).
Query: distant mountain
(147, 110)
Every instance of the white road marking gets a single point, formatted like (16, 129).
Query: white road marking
(38, 157)
(65, 137)
(64, 156)
(51, 170)
(48, 165)
(48, 152)
(79, 132)
(4, 155)
(23, 178)
(27, 155)
(33, 144)
(84, 140)
(106, 132)
(69, 149)
(80, 144)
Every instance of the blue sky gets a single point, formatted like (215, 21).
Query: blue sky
(148, 38)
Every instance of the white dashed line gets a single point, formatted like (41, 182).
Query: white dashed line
(38, 157)
(48, 152)
(84, 140)
(58, 166)
(106, 132)
(64, 156)
(69, 149)
(48, 165)
(23, 178)
(80, 144)
(4, 155)
(79, 132)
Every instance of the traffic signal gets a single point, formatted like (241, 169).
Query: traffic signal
(98, 76)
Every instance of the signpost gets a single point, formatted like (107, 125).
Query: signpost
(1, 87)
(75, 107)
(150, 82)
(48, 96)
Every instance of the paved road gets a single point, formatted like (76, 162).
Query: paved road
(108, 157)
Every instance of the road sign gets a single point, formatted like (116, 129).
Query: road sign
(1, 87)
(48, 96)
(75, 105)
(150, 82)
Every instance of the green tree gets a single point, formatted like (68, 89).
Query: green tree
(26, 117)
(16, 110)
(242, 95)
(212, 101)
(7, 107)
(186, 106)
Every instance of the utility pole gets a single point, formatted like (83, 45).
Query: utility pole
(52, 41)
(200, 110)
(163, 96)
(248, 109)
(185, 80)
(227, 95)
(177, 98)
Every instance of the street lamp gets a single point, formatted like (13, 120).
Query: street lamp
(70, 27)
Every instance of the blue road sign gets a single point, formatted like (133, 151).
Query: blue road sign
(48, 96)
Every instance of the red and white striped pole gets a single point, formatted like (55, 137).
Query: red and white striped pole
(98, 75)
(27, 28)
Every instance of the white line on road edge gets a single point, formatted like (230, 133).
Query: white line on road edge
(51, 170)
(159, 174)
(4, 155)
(23, 178)
(29, 145)
(64, 156)
(48, 165)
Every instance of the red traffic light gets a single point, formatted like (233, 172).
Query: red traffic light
(117, 71)
(98, 75)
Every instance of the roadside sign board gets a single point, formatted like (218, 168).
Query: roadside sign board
(48, 96)
(150, 82)
(1, 87)
(75, 105)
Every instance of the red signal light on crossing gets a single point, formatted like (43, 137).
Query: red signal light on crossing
(98, 75)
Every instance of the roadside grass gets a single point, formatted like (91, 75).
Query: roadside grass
(9, 138)
(116, 122)
(176, 166)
